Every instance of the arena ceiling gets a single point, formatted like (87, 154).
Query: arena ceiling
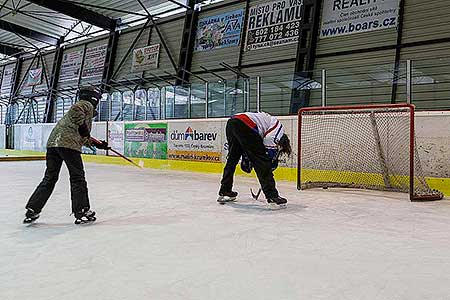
(34, 25)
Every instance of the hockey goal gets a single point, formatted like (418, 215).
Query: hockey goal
(368, 147)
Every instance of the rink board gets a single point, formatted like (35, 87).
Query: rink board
(282, 173)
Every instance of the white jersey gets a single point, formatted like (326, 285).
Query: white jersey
(267, 126)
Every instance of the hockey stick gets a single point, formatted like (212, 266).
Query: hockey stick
(126, 158)
(255, 196)
(119, 154)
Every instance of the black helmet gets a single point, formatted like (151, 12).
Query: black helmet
(91, 94)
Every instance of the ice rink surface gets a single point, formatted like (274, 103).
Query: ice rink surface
(161, 235)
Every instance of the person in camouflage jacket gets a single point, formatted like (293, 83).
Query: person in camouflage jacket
(72, 131)
(64, 145)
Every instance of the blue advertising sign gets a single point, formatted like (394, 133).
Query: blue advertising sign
(219, 31)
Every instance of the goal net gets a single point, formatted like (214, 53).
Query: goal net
(367, 147)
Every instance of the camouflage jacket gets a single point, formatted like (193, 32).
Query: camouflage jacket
(65, 134)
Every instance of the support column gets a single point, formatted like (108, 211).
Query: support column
(16, 80)
(110, 59)
(187, 44)
(306, 51)
(398, 48)
(51, 97)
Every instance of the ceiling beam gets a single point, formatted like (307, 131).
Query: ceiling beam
(78, 12)
(8, 50)
(26, 32)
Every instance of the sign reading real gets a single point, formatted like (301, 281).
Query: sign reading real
(342, 17)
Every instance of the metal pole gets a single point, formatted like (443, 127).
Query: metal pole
(121, 107)
(99, 116)
(409, 81)
(206, 98)
(110, 106)
(247, 94)
(258, 94)
(324, 88)
(133, 107)
(160, 104)
(190, 103)
(224, 99)
(174, 101)
(146, 105)
(244, 96)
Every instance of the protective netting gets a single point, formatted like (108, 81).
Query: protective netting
(361, 147)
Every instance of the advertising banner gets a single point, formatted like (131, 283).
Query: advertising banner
(342, 17)
(31, 137)
(7, 80)
(2, 136)
(146, 140)
(195, 141)
(219, 31)
(94, 61)
(71, 66)
(274, 24)
(145, 58)
(35, 77)
(116, 136)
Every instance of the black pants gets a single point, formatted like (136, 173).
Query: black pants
(78, 185)
(242, 138)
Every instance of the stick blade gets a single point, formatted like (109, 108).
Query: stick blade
(255, 196)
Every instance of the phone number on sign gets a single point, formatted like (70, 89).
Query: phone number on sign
(274, 33)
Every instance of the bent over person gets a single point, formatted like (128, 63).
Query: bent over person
(64, 145)
(259, 139)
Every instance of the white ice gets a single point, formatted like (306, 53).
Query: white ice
(161, 235)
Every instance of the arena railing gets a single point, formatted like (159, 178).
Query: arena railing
(424, 82)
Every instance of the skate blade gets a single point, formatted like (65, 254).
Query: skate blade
(225, 199)
(85, 222)
(274, 206)
(28, 221)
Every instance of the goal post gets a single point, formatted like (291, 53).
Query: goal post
(361, 146)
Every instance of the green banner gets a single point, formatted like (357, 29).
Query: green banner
(146, 140)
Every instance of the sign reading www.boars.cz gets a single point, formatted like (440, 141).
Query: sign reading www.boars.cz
(343, 17)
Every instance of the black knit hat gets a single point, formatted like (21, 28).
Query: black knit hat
(91, 94)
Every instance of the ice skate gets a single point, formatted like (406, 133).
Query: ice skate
(277, 202)
(85, 216)
(225, 197)
(30, 216)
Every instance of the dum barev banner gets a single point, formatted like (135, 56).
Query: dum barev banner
(273, 24)
(219, 31)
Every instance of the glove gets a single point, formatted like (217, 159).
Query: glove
(83, 130)
(101, 145)
(246, 164)
(273, 155)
